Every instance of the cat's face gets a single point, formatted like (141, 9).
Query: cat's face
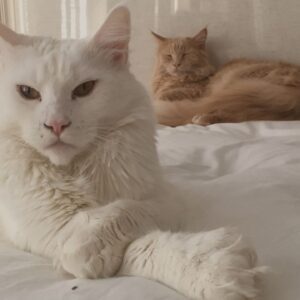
(179, 56)
(58, 96)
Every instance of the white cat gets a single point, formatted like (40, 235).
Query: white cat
(80, 180)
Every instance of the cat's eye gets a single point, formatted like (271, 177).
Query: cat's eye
(168, 56)
(28, 92)
(84, 89)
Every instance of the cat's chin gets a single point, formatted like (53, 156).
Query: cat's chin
(178, 73)
(60, 156)
(59, 160)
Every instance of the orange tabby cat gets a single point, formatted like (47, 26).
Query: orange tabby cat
(181, 74)
(186, 90)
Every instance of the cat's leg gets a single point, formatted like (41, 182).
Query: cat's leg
(93, 243)
(205, 266)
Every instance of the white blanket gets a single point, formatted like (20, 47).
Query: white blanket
(244, 175)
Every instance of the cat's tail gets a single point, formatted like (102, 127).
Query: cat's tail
(209, 265)
(249, 100)
(242, 100)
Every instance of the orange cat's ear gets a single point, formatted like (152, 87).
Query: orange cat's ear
(201, 37)
(158, 37)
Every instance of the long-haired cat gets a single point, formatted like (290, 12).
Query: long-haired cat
(186, 90)
(80, 180)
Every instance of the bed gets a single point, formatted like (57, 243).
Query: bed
(245, 175)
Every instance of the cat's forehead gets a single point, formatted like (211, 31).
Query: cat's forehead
(177, 45)
(48, 58)
(57, 53)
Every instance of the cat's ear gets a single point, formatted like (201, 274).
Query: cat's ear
(158, 37)
(11, 37)
(113, 36)
(201, 37)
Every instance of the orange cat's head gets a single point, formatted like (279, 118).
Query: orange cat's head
(180, 56)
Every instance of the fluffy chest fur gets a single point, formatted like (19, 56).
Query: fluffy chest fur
(123, 165)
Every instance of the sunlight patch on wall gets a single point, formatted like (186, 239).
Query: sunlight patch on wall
(21, 7)
(181, 5)
(82, 18)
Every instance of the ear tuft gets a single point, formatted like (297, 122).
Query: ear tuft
(201, 37)
(158, 37)
(114, 35)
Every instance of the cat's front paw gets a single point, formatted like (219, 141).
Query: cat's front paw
(223, 267)
(200, 120)
(93, 244)
(207, 119)
(87, 255)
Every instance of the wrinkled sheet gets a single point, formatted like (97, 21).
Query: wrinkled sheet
(244, 175)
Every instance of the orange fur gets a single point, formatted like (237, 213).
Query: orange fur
(242, 90)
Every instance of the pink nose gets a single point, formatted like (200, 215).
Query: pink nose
(57, 127)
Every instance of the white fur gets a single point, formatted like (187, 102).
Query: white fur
(95, 207)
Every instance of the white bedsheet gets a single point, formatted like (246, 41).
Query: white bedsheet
(245, 175)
